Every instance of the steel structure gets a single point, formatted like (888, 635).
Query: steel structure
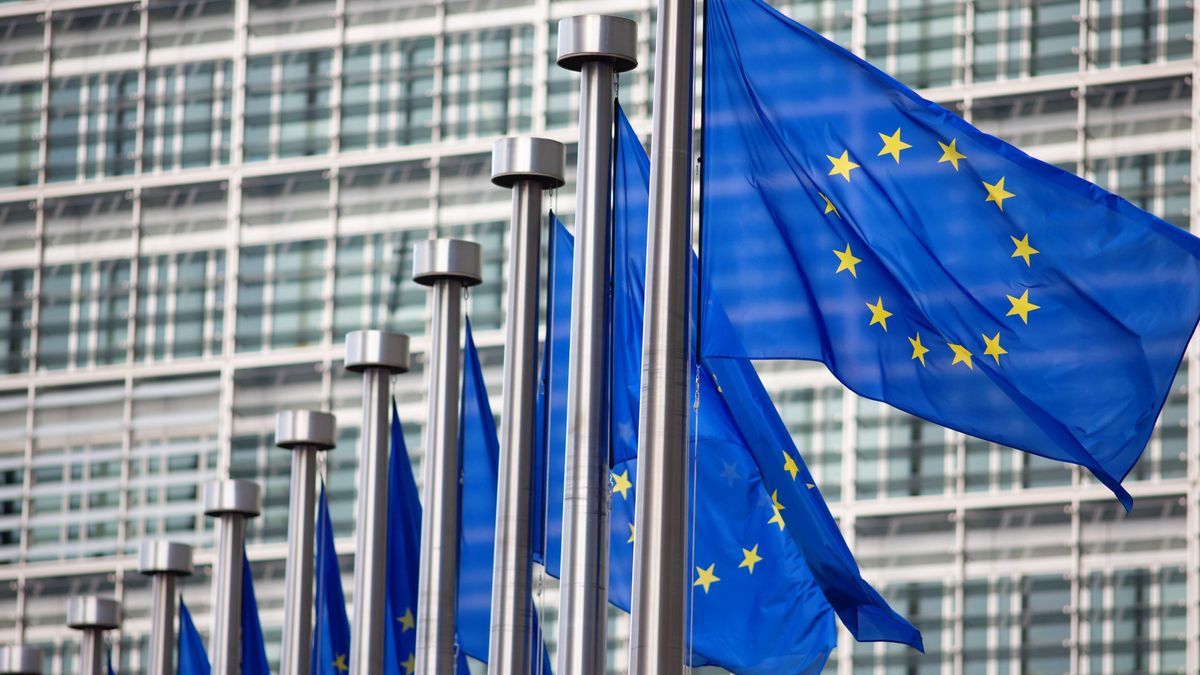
(198, 200)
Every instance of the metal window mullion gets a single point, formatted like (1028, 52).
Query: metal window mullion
(541, 65)
(172, 304)
(84, 101)
(513, 96)
(858, 27)
(1154, 619)
(275, 107)
(102, 108)
(892, 35)
(336, 83)
(1162, 35)
(139, 147)
(1193, 385)
(267, 321)
(44, 110)
(233, 223)
(1076, 574)
(439, 78)
(958, 631)
(177, 111)
(216, 114)
(1108, 614)
(377, 82)
(330, 264)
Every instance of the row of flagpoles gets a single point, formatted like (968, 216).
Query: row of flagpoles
(599, 48)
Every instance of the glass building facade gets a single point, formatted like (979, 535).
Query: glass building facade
(199, 198)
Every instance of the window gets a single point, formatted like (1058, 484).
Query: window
(180, 302)
(16, 302)
(187, 115)
(373, 285)
(189, 23)
(387, 94)
(84, 320)
(93, 126)
(20, 129)
(287, 105)
(487, 78)
(280, 300)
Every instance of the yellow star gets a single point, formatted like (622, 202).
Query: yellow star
(846, 261)
(750, 558)
(1021, 306)
(879, 315)
(951, 153)
(961, 355)
(842, 166)
(892, 145)
(406, 621)
(621, 484)
(410, 664)
(919, 350)
(630, 539)
(829, 207)
(339, 663)
(705, 577)
(1024, 250)
(997, 193)
(994, 349)
(789, 465)
(778, 508)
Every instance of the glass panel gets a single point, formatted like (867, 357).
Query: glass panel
(387, 94)
(189, 23)
(287, 104)
(487, 82)
(187, 115)
(20, 129)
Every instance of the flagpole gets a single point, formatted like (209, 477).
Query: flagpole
(305, 433)
(527, 166)
(92, 615)
(448, 266)
(163, 562)
(231, 502)
(377, 355)
(660, 572)
(598, 47)
(20, 660)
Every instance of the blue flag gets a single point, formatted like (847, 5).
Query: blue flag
(331, 639)
(404, 560)
(927, 264)
(749, 571)
(254, 648)
(193, 660)
(479, 454)
(110, 668)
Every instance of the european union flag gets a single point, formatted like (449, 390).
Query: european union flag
(110, 668)
(331, 639)
(736, 424)
(404, 560)
(929, 265)
(193, 660)
(479, 455)
(254, 648)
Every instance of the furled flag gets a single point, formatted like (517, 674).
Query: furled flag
(927, 264)
(193, 660)
(479, 455)
(331, 639)
(254, 647)
(404, 560)
(110, 668)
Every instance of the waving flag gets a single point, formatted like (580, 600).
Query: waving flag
(927, 264)
(193, 660)
(331, 639)
(404, 560)
(479, 452)
(254, 648)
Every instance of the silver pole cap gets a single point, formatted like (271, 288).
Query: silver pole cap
(595, 37)
(437, 260)
(164, 557)
(241, 497)
(305, 428)
(92, 612)
(517, 158)
(376, 349)
(20, 660)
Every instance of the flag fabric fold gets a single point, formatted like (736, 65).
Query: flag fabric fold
(927, 264)
(479, 459)
(749, 572)
(254, 647)
(331, 637)
(193, 659)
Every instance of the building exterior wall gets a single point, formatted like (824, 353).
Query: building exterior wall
(199, 198)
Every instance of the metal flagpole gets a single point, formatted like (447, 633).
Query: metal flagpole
(92, 616)
(20, 660)
(448, 265)
(660, 572)
(377, 355)
(163, 562)
(527, 166)
(231, 502)
(305, 433)
(598, 47)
